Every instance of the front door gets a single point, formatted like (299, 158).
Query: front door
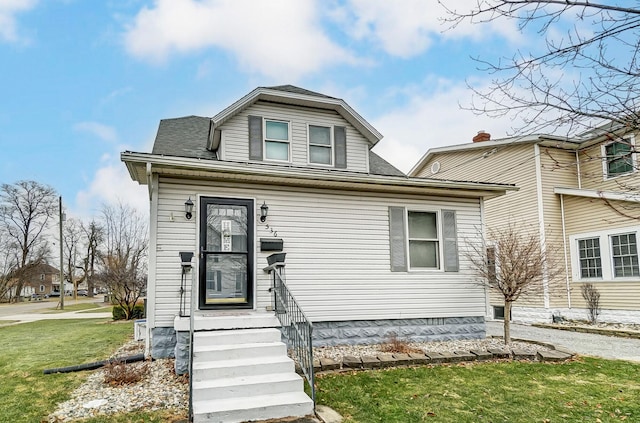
(226, 253)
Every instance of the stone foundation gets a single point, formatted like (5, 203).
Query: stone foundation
(379, 331)
(163, 342)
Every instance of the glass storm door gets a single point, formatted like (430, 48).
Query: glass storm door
(226, 253)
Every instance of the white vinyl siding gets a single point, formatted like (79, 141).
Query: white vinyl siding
(338, 253)
(236, 133)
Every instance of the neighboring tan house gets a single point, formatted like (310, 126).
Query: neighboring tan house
(369, 251)
(582, 194)
(45, 279)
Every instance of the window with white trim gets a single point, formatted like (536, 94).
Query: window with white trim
(618, 158)
(624, 251)
(606, 255)
(424, 250)
(276, 140)
(590, 260)
(320, 145)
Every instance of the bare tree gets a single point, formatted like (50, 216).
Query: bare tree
(591, 296)
(25, 210)
(91, 238)
(123, 254)
(585, 73)
(71, 239)
(514, 264)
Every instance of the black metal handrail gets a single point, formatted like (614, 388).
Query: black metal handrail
(296, 327)
(185, 295)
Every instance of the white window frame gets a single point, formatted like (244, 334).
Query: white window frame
(612, 256)
(266, 140)
(439, 240)
(631, 140)
(331, 146)
(580, 258)
(606, 254)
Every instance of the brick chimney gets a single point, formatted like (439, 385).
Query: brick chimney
(482, 136)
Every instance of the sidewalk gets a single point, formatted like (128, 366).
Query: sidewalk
(33, 317)
(582, 343)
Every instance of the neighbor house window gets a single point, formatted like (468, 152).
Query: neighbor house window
(619, 158)
(590, 261)
(320, 145)
(276, 140)
(624, 251)
(41, 288)
(423, 240)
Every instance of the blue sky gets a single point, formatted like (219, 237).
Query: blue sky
(81, 81)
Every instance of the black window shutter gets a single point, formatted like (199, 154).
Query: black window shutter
(450, 236)
(340, 143)
(397, 239)
(255, 138)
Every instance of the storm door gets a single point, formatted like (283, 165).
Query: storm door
(226, 253)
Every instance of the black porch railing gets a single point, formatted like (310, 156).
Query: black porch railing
(185, 294)
(296, 327)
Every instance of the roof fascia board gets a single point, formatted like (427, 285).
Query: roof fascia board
(547, 140)
(329, 103)
(365, 181)
(592, 193)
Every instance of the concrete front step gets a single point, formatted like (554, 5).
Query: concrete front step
(238, 336)
(222, 320)
(262, 407)
(238, 351)
(207, 370)
(272, 383)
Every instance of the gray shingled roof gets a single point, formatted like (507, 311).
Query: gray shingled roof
(184, 137)
(298, 90)
(187, 137)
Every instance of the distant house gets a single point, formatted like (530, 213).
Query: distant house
(582, 194)
(44, 280)
(369, 251)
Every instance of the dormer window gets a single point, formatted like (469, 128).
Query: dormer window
(276, 140)
(320, 145)
(619, 158)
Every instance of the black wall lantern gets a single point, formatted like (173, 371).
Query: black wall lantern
(264, 210)
(188, 209)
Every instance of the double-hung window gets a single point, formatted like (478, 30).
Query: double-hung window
(320, 145)
(624, 250)
(590, 261)
(618, 158)
(424, 250)
(277, 140)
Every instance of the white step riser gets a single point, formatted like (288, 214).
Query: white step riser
(208, 373)
(238, 352)
(224, 337)
(259, 413)
(265, 388)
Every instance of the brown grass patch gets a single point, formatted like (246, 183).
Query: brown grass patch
(397, 345)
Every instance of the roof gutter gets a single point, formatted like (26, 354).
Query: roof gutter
(268, 174)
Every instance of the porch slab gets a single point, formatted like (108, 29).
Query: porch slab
(224, 320)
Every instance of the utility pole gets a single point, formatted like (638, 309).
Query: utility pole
(61, 258)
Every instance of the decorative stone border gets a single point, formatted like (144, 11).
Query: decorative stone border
(620, 333)
(383, 360)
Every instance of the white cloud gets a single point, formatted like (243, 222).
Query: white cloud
(431, 119)
(407, 28)
(111, 185)
(104, 132)
(8, 25)
(281, 39)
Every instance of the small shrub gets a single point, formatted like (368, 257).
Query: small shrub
(592, 296)
(118, 312)
(117, 373)
(397, 345)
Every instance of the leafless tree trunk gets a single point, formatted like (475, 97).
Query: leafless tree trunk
(123, 254)
(92, 234)
(71, 238)
(25, 210)
(512, 263)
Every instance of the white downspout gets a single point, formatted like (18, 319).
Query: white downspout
(564, 246)
(543, 241)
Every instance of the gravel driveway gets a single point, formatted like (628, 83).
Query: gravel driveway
(582, 343)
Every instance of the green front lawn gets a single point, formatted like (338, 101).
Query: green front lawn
(73, 307)
(584, 390)
(26, 394)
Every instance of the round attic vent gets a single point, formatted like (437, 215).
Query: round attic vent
(435, 168)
